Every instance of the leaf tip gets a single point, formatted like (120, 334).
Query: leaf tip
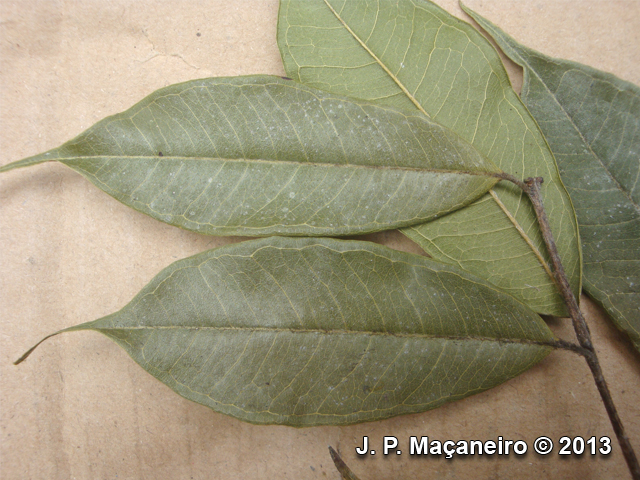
(27, 162)
(26, 354)
(6, 168)
(466, 9)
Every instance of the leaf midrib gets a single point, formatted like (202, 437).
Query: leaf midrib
(375, 57)
(328, 332)
(279, 162)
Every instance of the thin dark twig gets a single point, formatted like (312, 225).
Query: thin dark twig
(572, 347)
(342, 467)
(531, 186)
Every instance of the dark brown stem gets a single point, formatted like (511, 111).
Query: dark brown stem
(531, 186)
(572, 347)
(342, 467)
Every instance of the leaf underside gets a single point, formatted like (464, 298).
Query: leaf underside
(414, 56)
(304, 331)
(591, 120)
(262, 155)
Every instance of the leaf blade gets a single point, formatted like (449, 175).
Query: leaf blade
(303, 331)
(454, 75)
(573, 104)
(261, 155)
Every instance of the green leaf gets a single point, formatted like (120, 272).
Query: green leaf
(592, 122)
(412, 55)
(261, 155)
(304, 331)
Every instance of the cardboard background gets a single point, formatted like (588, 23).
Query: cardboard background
(80, 407)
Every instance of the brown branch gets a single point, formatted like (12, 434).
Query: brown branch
(531, 186)
(572, 347)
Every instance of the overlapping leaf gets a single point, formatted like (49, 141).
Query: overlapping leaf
(260, 155)
(304, 331)
(592, 122)
(412, 55)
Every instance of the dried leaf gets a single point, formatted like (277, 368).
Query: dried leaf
(323, 332)
(261, 155)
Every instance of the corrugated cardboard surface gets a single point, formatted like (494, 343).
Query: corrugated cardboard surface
(80, 407)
